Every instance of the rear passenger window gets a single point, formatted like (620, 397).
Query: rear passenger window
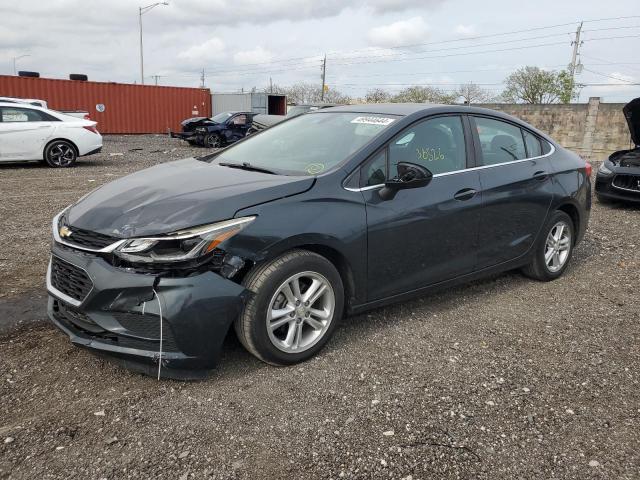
(500, 142)
(533, 144)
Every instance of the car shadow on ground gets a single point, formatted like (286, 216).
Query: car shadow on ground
(42, 165)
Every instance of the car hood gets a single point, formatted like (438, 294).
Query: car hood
(632, 113)
(191, 123)
(177, 195)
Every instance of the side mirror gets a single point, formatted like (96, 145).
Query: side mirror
(410, 175)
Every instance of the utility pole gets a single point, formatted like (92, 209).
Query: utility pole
(156, 77)
(324, 76)
(576, 48)
(270, 85)
(202, 79)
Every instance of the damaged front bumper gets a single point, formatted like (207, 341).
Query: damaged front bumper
(191, 137)
(118, 312)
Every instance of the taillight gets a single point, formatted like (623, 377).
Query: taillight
(587, 168)
(86, 117)
(91, 129)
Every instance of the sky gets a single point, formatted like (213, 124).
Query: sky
(387, 44)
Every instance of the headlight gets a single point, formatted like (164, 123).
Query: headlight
(603, 169)
(184, 245)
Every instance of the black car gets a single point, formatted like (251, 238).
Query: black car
(618, 177)
(324, 215)
(215, 132)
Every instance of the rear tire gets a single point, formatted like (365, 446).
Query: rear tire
(553, 251)
(60, 154)
(279, 324)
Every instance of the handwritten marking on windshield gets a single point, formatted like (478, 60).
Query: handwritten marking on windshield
(315, 168)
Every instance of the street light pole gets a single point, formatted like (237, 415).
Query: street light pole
(141, 54)
(141, 11)
(14, 62)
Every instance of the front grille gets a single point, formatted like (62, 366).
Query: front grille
(69, 279)
(627, 182)
(88, 239)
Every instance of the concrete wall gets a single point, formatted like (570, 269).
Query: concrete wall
(593, 130)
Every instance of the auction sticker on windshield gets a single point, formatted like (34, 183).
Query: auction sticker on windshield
(384, 121)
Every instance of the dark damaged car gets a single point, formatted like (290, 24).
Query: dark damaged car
(284, 233)
(215, 132)
(618, 178)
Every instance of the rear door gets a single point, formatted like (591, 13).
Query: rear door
(23, 133)
(516, 182)
(425, 235)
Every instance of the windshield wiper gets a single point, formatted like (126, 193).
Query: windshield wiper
(247, 166)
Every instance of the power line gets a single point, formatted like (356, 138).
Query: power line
(410, 56)
(465, 39)
(629, 82)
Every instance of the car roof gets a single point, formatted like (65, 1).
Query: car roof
(386, 108)
(8, 103)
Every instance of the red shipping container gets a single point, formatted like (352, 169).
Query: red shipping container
(117, 107)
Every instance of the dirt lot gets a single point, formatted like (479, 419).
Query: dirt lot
(504, 378)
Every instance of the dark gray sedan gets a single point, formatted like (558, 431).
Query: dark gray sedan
(321, 216)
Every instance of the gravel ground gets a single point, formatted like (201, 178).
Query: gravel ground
(503, 378)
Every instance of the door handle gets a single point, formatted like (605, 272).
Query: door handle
(465, 194)
(541, 175)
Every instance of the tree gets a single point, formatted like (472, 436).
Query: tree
(534, 85)
(309, 93)
(377, 95)
(419, 94)
(472, 93)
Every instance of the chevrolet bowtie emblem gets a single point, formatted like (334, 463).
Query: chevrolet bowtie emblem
(64, 232)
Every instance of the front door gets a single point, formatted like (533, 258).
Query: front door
(425, 235)
(238, 126)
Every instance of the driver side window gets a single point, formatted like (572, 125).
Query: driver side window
(240, 120)
(437, 144)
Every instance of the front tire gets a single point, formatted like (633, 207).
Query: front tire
(213, 140)
(554, 249)
(297, 303)
(60, 154)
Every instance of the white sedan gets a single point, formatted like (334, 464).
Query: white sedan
(33, 133)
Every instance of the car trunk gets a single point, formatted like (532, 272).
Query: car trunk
(630, 157)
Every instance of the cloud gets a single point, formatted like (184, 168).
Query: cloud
(212, 49)
(465, 30)
(404, 32)
(257, 55)
(395, 6)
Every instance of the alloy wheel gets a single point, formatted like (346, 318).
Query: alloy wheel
(557, 247)
(300, 312)
(213, 141)
(61, 154)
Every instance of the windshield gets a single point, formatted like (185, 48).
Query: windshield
(221, 117)
(308, 144)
